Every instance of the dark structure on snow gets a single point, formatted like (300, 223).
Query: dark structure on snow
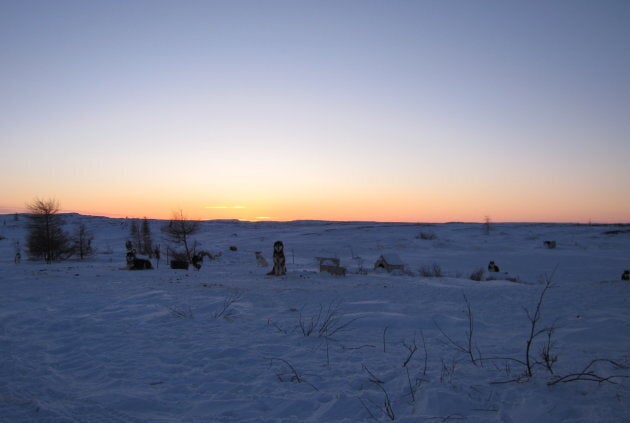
(331, 265)
(179, 264)
(389, 262)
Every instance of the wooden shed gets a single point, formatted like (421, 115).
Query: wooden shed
(389, 262)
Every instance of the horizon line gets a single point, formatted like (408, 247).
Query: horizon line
(401, 222)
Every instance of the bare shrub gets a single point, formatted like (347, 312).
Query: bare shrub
(534, 331)
(411, 350)
(183, 312)
(387, 408)
(589, 375)
(548, 359)
(477, 275)
(469, 347)
(292, 375)
(227, 311)
(179, 230)
(426, 236)
(432, 271)
(326, 322)
(447, 371)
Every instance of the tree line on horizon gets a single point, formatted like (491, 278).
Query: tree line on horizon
(47, 239)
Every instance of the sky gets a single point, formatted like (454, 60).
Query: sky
(411, 111)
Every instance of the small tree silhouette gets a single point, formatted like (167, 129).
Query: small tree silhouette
(83, 241)
(487, 225)
(46, 238)
(134, 235)
(179, 229)
(147, 240)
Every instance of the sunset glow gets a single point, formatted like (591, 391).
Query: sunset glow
(427, 111)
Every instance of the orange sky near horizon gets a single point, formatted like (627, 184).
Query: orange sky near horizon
(385, 207)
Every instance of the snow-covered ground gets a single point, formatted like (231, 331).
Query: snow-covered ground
(89, 341)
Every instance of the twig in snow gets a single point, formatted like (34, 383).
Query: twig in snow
(325, 323)
(469, 348)
(372, 378)
(181, 312)
(589, 375)
(226, 311)
(294, 375)
(533, 320)
(426, 354)
(412, 348)
(387, 407)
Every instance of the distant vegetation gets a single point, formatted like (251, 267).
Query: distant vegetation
(141, 239)
(46, 238)
(179, 231)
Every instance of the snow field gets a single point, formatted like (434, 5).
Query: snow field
(89, 341)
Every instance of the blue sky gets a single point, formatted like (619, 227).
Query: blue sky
(351, 110)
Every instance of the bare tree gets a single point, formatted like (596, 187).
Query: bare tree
(83, 241)
(179, 229)
(135, 237)
(140, 238)
(147, 240)
(46, 238)
(487, 225)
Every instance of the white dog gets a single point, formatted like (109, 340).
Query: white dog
(260, 259)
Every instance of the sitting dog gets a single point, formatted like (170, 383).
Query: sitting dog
(260, 259)
(134, 263)
(279, 262)
(492, 267)
(18, 258)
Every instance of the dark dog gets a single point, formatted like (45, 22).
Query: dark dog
(197, 260)
(134, 263)
(279, 261)
(492, 267)
(625, 276)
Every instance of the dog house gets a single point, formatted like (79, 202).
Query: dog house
(389, 262)
(331, 265)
